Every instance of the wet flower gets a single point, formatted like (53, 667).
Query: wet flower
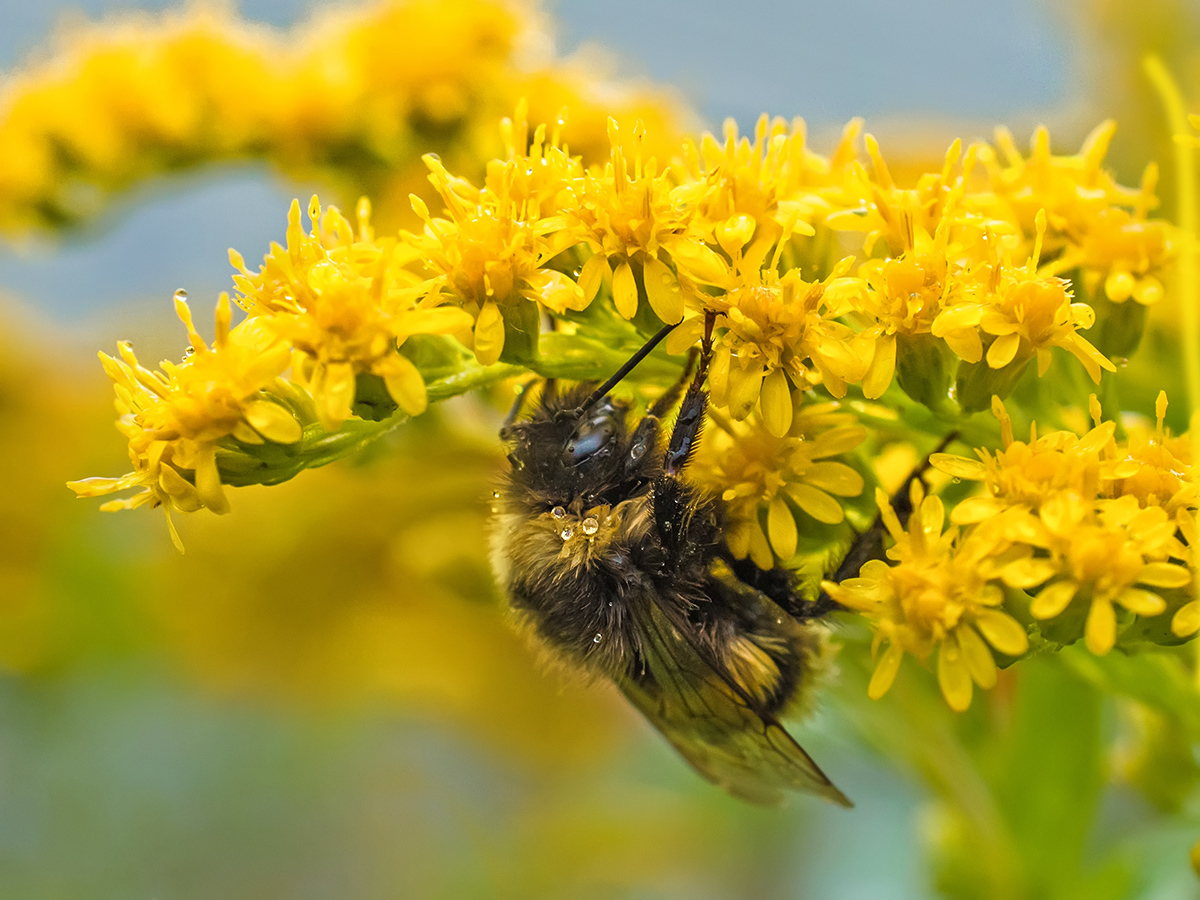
(174, 418)
(940, 595)
(634, 221)
(490, 256)
(347, 303)
(781, 337)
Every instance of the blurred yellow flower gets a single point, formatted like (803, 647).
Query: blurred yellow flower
(174, 418)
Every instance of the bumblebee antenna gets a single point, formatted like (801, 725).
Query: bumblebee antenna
(612, 382)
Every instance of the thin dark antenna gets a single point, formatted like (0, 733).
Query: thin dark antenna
(599, 393)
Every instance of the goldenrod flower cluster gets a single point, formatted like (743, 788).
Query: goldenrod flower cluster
(1081, 533)
(827, 285)
(351, 100)
(1089, 526)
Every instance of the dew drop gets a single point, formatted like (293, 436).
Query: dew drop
(598, 638)
(590, 526)
(188, 351)
(1120, 362)
(181, 295)
(495, 495)
(578, 271)
(558, 512)
(434, 157)
(567, 533)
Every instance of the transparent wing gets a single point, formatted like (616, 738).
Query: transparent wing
(712, 722)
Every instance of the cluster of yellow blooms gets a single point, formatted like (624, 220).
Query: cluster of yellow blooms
(1086, 525)
(823, 276)
(350, 100)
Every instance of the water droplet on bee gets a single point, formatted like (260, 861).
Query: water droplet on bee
(495, 495)
(598, 638)
(567, 533)
(778, 620)
(558, 512)
(590, 526)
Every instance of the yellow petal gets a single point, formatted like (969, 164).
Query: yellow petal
(817, 503)
(745, 383)
(978, 657)
(405, 385)
(273, 422)
(882, 368)
(885, 671)
(1100, 633)
(781, 528)
(591, 276)
(1029, 572)
(1165, 575)
(1003, 350)
(208, 480)
(1002, 631)
(1186, 620)
(1142, 602)
(958, 466)
(975, 509)
(835, 477)
(489, 334)
(775, 401)
(1053, 599)
(663, 291)
(625, 292)
(337, 394)
(953, 676)
(760, 548)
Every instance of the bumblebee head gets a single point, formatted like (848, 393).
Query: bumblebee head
(565, 444)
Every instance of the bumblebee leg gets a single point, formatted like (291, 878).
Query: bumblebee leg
(675, 504)
(645, 435)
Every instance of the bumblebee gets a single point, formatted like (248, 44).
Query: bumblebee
(619, 567)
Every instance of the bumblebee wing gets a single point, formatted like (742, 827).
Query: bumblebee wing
(714, 724)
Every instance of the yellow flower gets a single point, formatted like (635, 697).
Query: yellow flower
(754, 192)
(629, 219)
(174, 418)
(1103, 553)
(1027, 314)
(346, 302)
(1154, 466)
(1086, 514)
(940, 595)
(490, 255)
(780, 337)
(754, 471)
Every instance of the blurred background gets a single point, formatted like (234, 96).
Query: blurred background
(321, 698)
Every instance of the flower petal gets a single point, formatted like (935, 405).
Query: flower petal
(953, 676)
(885, 671)
(1002, 631)
(781, 528)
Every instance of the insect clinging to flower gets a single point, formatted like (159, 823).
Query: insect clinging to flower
(618, 566)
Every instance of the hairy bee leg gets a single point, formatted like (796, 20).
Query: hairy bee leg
(869, 545)
(645, 435)
(673, 506)
(691, 411)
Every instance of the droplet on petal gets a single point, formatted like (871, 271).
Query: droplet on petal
(663, 291)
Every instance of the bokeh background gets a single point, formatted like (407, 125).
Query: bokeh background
(321, 698)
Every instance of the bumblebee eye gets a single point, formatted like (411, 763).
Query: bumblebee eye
(589, 439)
